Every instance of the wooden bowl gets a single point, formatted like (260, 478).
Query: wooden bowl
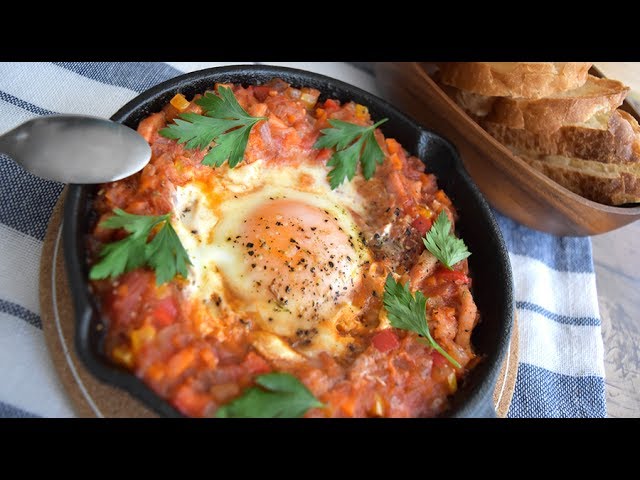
(512, 186)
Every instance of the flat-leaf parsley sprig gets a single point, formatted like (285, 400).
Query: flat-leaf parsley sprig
(225, 122)
(409, 312)
(281, 395)
(443, 244)
(353, 144)
(164, 254)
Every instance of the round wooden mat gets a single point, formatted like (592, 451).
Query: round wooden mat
(92, 398)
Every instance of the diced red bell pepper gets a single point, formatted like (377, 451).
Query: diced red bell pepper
(422, 225)
(165, 312)
(444, 274)
(385, 340)
(331, 105)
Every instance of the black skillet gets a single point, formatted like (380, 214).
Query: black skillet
(489, 262)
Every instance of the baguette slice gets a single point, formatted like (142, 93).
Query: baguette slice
(607, 138)
(514, 79)
(598, 95)
(605, 183)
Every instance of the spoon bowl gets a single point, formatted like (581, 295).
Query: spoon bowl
(76, 148)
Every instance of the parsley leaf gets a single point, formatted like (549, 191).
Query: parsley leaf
(353, 143)
(139, 225)
(119, 257)
(282, 396)
(443, 243)
(409, 312)
(165, 253)
(225, 122)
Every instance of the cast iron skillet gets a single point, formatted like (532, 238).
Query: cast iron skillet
(492, 286)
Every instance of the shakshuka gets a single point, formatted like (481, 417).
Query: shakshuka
(285, 274)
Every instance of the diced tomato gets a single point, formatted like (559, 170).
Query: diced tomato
(255, 364)
(438, 360)
(209, 358)
(422, 225)
(155, 373)
(165, 312)
(385, 340)
(445, 275)
(179, 362)
(442, 371)
(129, 295)
(395, 161)
(393, 145)
(190, 402)
(442, 198)
(324, 154)
(258, 109)
(331, 105)
(261, 92)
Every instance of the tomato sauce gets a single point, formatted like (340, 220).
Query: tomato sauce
(155, 332)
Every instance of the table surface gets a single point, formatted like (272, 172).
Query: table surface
(617, 260)
(617, 263)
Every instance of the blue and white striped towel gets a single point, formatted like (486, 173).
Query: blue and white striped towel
(561, 355)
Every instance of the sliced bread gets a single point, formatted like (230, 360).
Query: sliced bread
(610, 184)
(610, 137)
(597, 95)
(514, 79)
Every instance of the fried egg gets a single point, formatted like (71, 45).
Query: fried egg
(274, 243)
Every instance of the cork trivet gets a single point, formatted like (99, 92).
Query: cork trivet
(506, 384)
(89, 396)
(92, 398)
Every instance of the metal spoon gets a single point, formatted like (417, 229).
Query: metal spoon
(76, 148)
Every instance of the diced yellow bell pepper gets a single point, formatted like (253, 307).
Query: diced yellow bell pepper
(180, 102)
(452, 381)
(309, 97)
(378, 406)
(123, 356)
(361, 111)
(141, 336)
(425, 212)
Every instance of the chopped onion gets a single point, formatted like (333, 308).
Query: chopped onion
(293, 93)
(309, 97)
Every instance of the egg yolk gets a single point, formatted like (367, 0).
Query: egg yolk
(300, 259)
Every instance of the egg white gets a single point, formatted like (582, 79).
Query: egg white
(209, 217)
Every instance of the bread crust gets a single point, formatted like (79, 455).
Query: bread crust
(578, 138)
(545, 115)
(514, 79)
(609, 187)
(616, 141)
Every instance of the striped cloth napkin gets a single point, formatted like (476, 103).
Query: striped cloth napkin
(561, 354)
